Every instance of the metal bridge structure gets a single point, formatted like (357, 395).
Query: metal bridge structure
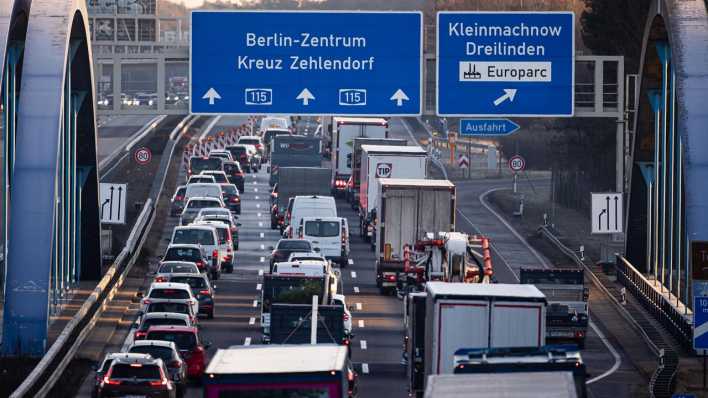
(49, 203)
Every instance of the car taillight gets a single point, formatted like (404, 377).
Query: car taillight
(204, 293)
(160, 279)
(391, 278)
(139, 335)
(179, 197)
(158, 383)
(200, 264)
(259, 146)
(345, 316)
(215, 253)
(108, 380)
(235, 199)
(146, 301)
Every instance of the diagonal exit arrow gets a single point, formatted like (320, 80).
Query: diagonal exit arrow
(509, 94)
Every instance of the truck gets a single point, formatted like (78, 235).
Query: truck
(344, 131)
(479, 316)
(297, 181)
(352, 192)
(408, 208)
(384, 161)
(567, 316)
(320, 370)
(503, 385)
(414, 341)
(292, 323)
(293, 151)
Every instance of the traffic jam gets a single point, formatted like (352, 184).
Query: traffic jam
(455, 318)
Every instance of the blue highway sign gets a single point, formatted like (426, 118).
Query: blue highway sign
(487, 127)
(322, 63)
(505, 64)
(700, 322)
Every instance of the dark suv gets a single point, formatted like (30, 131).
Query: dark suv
(138, 375)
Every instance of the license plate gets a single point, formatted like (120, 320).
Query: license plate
(560, 334)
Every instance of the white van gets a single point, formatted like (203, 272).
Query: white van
(310, 206)
(208, 190)
(329, 236)
(225, 242)
(208, 238)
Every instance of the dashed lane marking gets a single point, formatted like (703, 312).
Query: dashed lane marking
(247, 341)
(255, 303)
(258, 205)
(255, 190)
(257, 197)
(260, 214)
(260, 272)
(262, 247)
(262, 259)
(356, 289)
(365, 368)
(363, 344)
(351, 262)
(262, 235)
(260, 224)
(259, 286)
(353, 274)
(252, 321)
(361, 323)
(358, 306)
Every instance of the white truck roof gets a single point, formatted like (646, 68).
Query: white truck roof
(496, 290)
(408, 182)
(270, 359)
(305, 267)
(360, 120)
(507, 385)
(394, 149)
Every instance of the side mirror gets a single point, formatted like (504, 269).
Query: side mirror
(271, 248)
(139, 295)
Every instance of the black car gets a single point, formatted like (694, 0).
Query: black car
(137, 374)
(187, 252)
(234, 174)
(232, 197)
(169, 353)
(282, 250)
(177, 201)
(240, 154)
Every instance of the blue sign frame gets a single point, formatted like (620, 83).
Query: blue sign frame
(503, 64)
(353, 63)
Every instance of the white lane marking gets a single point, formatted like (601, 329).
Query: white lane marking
(358, 306)
(361, 323)
(260, 224)
(252, 321)
(258, 286)
(247, 341)
(255, 190)
(365, 368)
(258, 205)
(260, 214)
(262, 235)
(356, 289)
(351, 262)
(257, 197)
(255, 303)
(353, 274)
(262, 247)
(492, 245)
(260, 272)
(262, 259)
(363, 344)
(618, 359)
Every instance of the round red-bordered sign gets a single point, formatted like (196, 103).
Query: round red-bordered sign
(517, 163)
(142, 156)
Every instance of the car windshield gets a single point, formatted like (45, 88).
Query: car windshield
(218, 177)
(249, 141)
(189, 254)
(232, 168)
(194, 236)
(323, 229)
(223, 235)
(162, 321)
(237, 151)
(177, 268)
(156, 351)
(300, 245)
(207, 211)
(193, 281)
(200, 204)
(137, 371)
(229, 189)
(179, 308)
(197, 165)
(297, 258)
(201, 179)
(183, 340)
(178, 294)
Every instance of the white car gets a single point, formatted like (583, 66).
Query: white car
(207, 237)
(203, 178)
(220, 153)
(304, 256)
(339, 299)
(204, 190)
(170, 267)
(162, 291)
(328, 235)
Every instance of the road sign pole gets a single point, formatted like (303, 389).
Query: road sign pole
(515, 180)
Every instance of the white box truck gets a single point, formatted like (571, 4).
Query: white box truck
(407, 210)
(476, 315)
(345, 129)
(385, 161)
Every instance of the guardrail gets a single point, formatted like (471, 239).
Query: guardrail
(655, 302)
(53, 364)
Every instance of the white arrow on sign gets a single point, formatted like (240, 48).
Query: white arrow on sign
(305, 95)
(399, 96)
(509, 94)
(211, 95)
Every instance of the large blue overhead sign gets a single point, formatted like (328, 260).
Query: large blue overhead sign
(505, 64)
(322, 63)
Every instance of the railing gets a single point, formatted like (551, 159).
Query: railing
(655, 302)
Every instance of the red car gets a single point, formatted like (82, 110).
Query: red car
(190, 347)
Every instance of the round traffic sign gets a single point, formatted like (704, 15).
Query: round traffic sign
(517, 163)
(142, 156)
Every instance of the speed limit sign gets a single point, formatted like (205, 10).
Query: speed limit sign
(142, 156)
(517, 163)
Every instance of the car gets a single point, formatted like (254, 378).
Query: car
(190, 346)
(169, 291)
(175, 306)
(191, 209)
(219, 176)
(234, 173)
(352, 380)
(197, 164)
(160, 318)
(329, 236)
(252, 140)
(177, 201)
(340, 299)
(201, 178)
(305, 256)
(282, 250)
(254, 156)
(187, 253)
(241, 154)
(170, 267)
(227, 219)
(137, 375)
(232, 197)
(101, 370)
(168, 352)
(201, 288)
(206, 236)
(274, 194)
(204, 190)
(220, 153)
(226, 244)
